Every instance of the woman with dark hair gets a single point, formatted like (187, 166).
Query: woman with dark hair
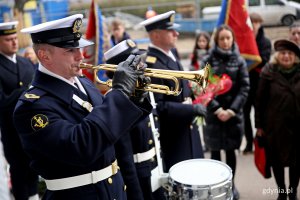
(224, 122)
(200, 49)
(277, 115)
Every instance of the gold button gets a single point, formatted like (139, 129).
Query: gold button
(21, 83)
(156, 118)
(152, 159)
(109, 180)
(125, 188)
(149, 124)
(150, 142)
(191, 126)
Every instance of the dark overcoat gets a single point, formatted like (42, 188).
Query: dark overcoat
(14, 79)
(71, 141)
(137, 176)
(227, 135)
(179, 136)
(277, 112)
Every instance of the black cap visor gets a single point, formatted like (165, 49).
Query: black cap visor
(73, 43)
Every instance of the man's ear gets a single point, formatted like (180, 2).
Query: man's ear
(44, 55)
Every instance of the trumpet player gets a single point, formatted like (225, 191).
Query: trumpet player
(179, 136)
(66, 126)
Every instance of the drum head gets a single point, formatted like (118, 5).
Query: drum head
(200, 172)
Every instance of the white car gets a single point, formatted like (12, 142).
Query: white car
(274, 12)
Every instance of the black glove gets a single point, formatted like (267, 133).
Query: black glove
(126, 75)
(199, 109)
(140, 94)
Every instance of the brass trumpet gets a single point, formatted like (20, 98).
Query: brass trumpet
(200, 77)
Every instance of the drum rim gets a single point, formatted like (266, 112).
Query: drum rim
(210, 186)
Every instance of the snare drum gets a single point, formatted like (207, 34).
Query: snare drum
(200, 179)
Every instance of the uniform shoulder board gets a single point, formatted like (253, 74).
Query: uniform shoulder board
(151, 59)
(32, 94)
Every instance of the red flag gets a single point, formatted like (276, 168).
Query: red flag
(97, 32)
(235, 14)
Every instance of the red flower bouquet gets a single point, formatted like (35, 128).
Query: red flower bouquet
(216, 86)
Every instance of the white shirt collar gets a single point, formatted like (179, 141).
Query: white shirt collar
(76, 80)
(11, 58)
(170, 54)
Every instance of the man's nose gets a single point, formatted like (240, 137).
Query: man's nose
(175, 33)
(79, 54)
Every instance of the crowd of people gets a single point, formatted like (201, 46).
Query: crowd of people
(57, 125)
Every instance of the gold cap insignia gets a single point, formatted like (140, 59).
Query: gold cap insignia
(172, 18)
(11, 31)
(39, 121)
(151, 59)
(131, 43)
(31, 96)
(76, 27)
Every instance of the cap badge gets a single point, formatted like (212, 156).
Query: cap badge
(172, 18)
(130, 43)
(76, 27)
(39, 121)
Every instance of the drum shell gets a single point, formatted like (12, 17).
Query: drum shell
(221, 190)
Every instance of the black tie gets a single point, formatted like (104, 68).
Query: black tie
(80, 93)
(76, 85)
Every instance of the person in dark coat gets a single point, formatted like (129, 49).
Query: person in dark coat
(16, 74)
(224, 122)
(179, 135)
(139, 150)
(277, 115)
(66, 126)
(118, 32)
(264, 48)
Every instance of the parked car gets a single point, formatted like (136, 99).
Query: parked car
(274, 12)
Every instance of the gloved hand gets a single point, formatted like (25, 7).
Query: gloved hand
(126, 75)
(199, 109)
(140, 94)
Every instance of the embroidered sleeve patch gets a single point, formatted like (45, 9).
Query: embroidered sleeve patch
(39, 121)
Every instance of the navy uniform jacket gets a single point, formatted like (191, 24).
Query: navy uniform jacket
(179, 137)
(142, 141)
(125, 161)
(70, 140)
(14, 79)
(139, 140)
